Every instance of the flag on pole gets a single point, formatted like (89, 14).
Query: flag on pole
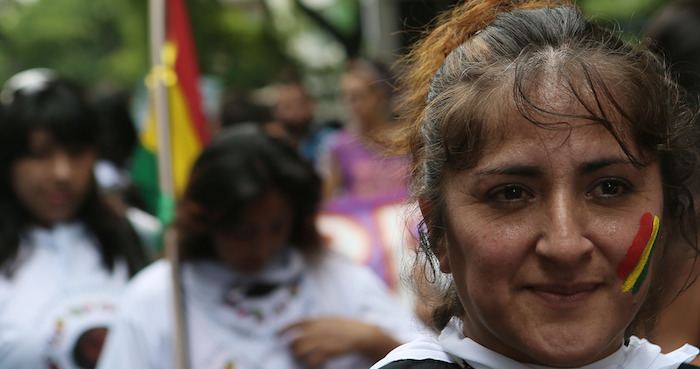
(176, 132)
(179, 71)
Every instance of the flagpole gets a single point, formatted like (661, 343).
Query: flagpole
(165, 175)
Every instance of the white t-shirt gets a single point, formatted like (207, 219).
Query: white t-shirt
(59, 293)
(245, 335)
(451, 345)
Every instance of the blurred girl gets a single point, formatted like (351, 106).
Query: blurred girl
(64, 255)
(260, 291)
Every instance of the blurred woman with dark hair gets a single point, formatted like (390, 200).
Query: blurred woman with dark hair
(260, 290)
(64, 255)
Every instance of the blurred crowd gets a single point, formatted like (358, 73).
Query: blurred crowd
(265, 223)
(294, 232)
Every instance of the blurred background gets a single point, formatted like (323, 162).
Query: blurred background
(242, 44)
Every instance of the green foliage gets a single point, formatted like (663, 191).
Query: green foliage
(629, 15)
(342, 14)
(621, 9)
(87, 40)
(242, 43)
(237, 45)
(106, 41)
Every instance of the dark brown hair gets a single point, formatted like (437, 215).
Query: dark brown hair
(240, 166)
(61, 108)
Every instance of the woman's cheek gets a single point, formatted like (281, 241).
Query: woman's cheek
(500, 246)
(634, 267)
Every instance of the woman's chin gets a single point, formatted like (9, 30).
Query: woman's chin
(571, 354)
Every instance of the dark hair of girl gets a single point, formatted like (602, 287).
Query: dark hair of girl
(59, 107)
(235, 170)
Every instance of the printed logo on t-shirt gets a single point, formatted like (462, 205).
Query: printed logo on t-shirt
(79, 332)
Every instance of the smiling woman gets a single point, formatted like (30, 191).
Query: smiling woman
(64, 255)
(552, 162)
(535, 233)
(52, 182)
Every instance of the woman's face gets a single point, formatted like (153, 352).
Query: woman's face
(363, 101)
(263, 232)
(52, 181)
(535, 235)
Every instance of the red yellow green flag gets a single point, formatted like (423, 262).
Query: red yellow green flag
(188, 128)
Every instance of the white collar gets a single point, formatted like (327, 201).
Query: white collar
(212, 279)
(217, 291)
(640, 353)
(59, 236)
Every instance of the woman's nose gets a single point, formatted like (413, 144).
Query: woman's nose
(266, 245)
(61, 166)
(562, 238)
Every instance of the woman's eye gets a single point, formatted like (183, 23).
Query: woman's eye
(243, 233)
(39, 152)
(608, 188)
(509, 193)
(280, 224)
(512, 193)
(76, 151)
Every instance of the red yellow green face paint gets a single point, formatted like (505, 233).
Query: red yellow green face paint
(634, 267)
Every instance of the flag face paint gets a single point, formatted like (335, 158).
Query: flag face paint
(634, 267)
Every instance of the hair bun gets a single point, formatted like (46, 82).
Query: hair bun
(452, 28)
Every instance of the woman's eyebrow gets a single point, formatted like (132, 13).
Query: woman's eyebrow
(514, 170)
(534, 171)
(595, 165)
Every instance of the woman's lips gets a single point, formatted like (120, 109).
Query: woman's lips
(59, 198)
(563, 295)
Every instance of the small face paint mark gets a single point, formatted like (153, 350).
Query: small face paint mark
(634, 267)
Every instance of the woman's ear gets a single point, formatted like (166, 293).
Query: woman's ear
(440, 251)
(444, 259)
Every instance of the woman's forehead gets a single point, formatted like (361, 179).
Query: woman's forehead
(521, 139)
(553, 130)
(556, 102)
(545, 129)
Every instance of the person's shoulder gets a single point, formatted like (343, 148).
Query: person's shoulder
(334, 263)
(345, 279)
(156, 270)
(641, 352)
(331, 258)
(341, 138)
(422, 353)
(419, 364)
(150, 282)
